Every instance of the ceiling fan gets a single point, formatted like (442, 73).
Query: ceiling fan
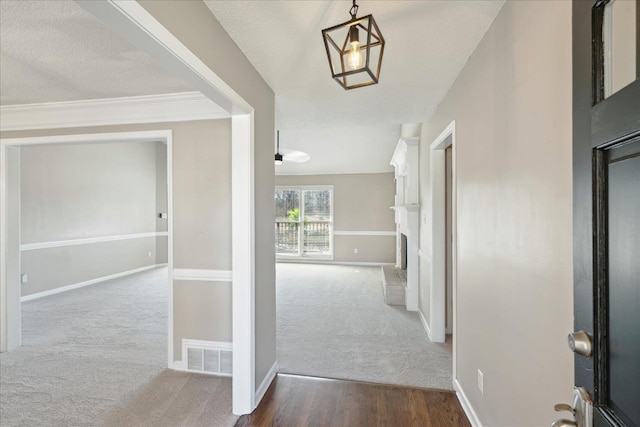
(293, 156)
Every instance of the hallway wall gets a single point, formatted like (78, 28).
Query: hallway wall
(357, 209)
(196, 27)
(512, 107)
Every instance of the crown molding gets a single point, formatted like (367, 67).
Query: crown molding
(173, 107)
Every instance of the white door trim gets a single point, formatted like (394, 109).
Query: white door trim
(10, 322)
(438, 247)
(131, 21)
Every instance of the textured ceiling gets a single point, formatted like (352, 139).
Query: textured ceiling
(427, 45)
(54, 51)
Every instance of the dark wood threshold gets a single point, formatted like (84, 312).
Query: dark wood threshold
(294, 400)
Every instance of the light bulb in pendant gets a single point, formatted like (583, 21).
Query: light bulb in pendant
(355, 56)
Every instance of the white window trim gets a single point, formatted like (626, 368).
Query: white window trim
(301, 189)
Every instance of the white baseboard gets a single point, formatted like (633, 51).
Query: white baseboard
(179, 365)
(466, 405)
(330, 262)
(425, 324)
(264, 385)
(86, 283)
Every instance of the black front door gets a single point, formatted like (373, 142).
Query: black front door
(606, 173)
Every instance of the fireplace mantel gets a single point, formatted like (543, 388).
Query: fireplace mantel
(406, 161)
(402, 218)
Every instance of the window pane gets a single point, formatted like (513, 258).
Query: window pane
(317, 226)
(316, 238)
(287, 217)
(287, 205)
(317, 205)
(287, 238)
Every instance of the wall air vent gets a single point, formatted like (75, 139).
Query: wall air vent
(208, 357)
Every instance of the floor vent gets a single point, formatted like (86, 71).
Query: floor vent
(208, 357)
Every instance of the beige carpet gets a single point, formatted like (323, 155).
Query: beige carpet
(96, 356)
(332, 322)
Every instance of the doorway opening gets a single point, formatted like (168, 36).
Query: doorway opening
(77, 236)
(444, 238)
(333, 317)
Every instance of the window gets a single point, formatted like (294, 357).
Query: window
(304, 222)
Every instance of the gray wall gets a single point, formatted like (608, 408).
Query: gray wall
(512, 107)
(161, 203)
(76, 191)
(361, 202)
(202, 220)
(194, 25)
(202, 229)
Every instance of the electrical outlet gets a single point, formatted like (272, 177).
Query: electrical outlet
(149, 254)
(355, 250)
(24, 278)
(480, 381)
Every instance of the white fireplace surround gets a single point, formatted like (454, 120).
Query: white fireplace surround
(405, 160)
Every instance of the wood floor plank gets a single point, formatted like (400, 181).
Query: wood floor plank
(306, 401)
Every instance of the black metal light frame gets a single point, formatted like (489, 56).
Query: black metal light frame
(374, 40)
(279, 158)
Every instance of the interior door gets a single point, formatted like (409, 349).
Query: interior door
(606, 174)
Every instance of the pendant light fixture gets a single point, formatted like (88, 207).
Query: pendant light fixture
(278, 158)
(354, 50)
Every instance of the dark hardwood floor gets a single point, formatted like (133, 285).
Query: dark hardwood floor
(307, 401)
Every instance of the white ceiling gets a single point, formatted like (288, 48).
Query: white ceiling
(340, 150)
(427, 45)
(55, 51)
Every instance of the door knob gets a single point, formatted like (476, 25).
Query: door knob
(564, 423)
(580, 343)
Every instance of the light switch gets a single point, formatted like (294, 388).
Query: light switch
(23, 278)
(163, 215)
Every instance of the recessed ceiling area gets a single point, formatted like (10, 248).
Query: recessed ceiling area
(55, 51)
(366, 149)
(427, 45)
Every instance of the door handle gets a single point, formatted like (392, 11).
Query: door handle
(581, 409)
(564, 423)
(564, 407)
(580, 343)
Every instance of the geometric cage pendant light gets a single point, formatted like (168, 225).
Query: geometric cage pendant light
(354, 50)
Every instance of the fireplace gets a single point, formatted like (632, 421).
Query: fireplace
(403, 251)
